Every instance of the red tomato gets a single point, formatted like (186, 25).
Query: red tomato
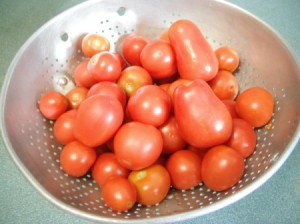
(152, 184)
(119, 194)
(225, 85)
(97, 120)
(107, 88)
(76, 96)
(122, 61)
(175, 84)
(184, 167)
(243, 138)
(195, 57)
(106, 167)
(255, 105)
(228, 58)
(230, 104)
(76, 158)
(222, 167)
(149, 105)
(132, 78)
(105, 66)
(63, 127)
(82, 76)
(137, 145)
(53, 104)
(132, 47)
(93, 43)
(158, 58)
(173, 141)
(202, 118)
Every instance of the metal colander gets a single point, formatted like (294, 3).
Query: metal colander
(55, 49)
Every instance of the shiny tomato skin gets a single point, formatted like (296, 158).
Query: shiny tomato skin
(184, 167)
(150, 105)
(82, 76)
(97, 120)
(228, 58)
(76, 158)
(202, 118)
(195, 57)
(255, 105)
(93, 43)
(152, 184)
(119, 194)
(137, 145)
(222, 167)
(76, 96)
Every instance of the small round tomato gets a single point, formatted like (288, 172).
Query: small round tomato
(228, 58)
(82, 76)
(105, 66)
(76, 158)
(132, 78)
(152, 184)
(150, 105)
(255, 105)
(76, 96)
(119, 194)
(225, 85)
(53, 104)
(106, 167)
(158, 58)
(63, 127)
(222, 167)
(184, 167)
(230, 104)
(132, 47)
(137, 145)
(94, 43)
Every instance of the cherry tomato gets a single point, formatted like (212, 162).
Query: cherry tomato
(97, 120)
(53, 104)
(76, 96)
(230, 104)
(228, 58)
(132, 47)
(243, 138)
(158, 58)
(106, 167)
(152, 184)
(149, 105)
(194, 55)
(119, 194)
(93, 43)
(137, 145)
(105, 66)
(132, 78)
(184, 167)
(225, 85)
(63, 127)
(222, 167)
(255, 105)
(82, 76)
(76, 158)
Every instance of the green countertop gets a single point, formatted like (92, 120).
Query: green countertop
(277, 201)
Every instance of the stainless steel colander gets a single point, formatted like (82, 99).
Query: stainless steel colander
(55, 49)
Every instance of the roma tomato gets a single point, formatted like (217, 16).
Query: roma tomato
(97, 120)
(222, 167)
(53, 104)
(184, 167)
(152, 184)
(82, 76)
(76, 96)
(94, 43)
(194, 55)
(76, 158)
(150, 105)
(228, 58)
(119, 194)
(255, 105)
(158, 58)
(202, 118)
(106, 167)
(137, 145)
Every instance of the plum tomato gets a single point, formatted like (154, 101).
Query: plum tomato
(93, 43)
(82, 76)
(228, 58)
(76, 96)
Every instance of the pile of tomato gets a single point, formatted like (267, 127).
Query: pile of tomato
(159, 114)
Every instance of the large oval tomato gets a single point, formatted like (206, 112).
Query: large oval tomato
(97, 120)
(152, 184)
(93, 43)
(82, 76)
(222, 167)
(202, 118)
(137, 145)
(228, 58)
(195, 57)
(76, 96)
